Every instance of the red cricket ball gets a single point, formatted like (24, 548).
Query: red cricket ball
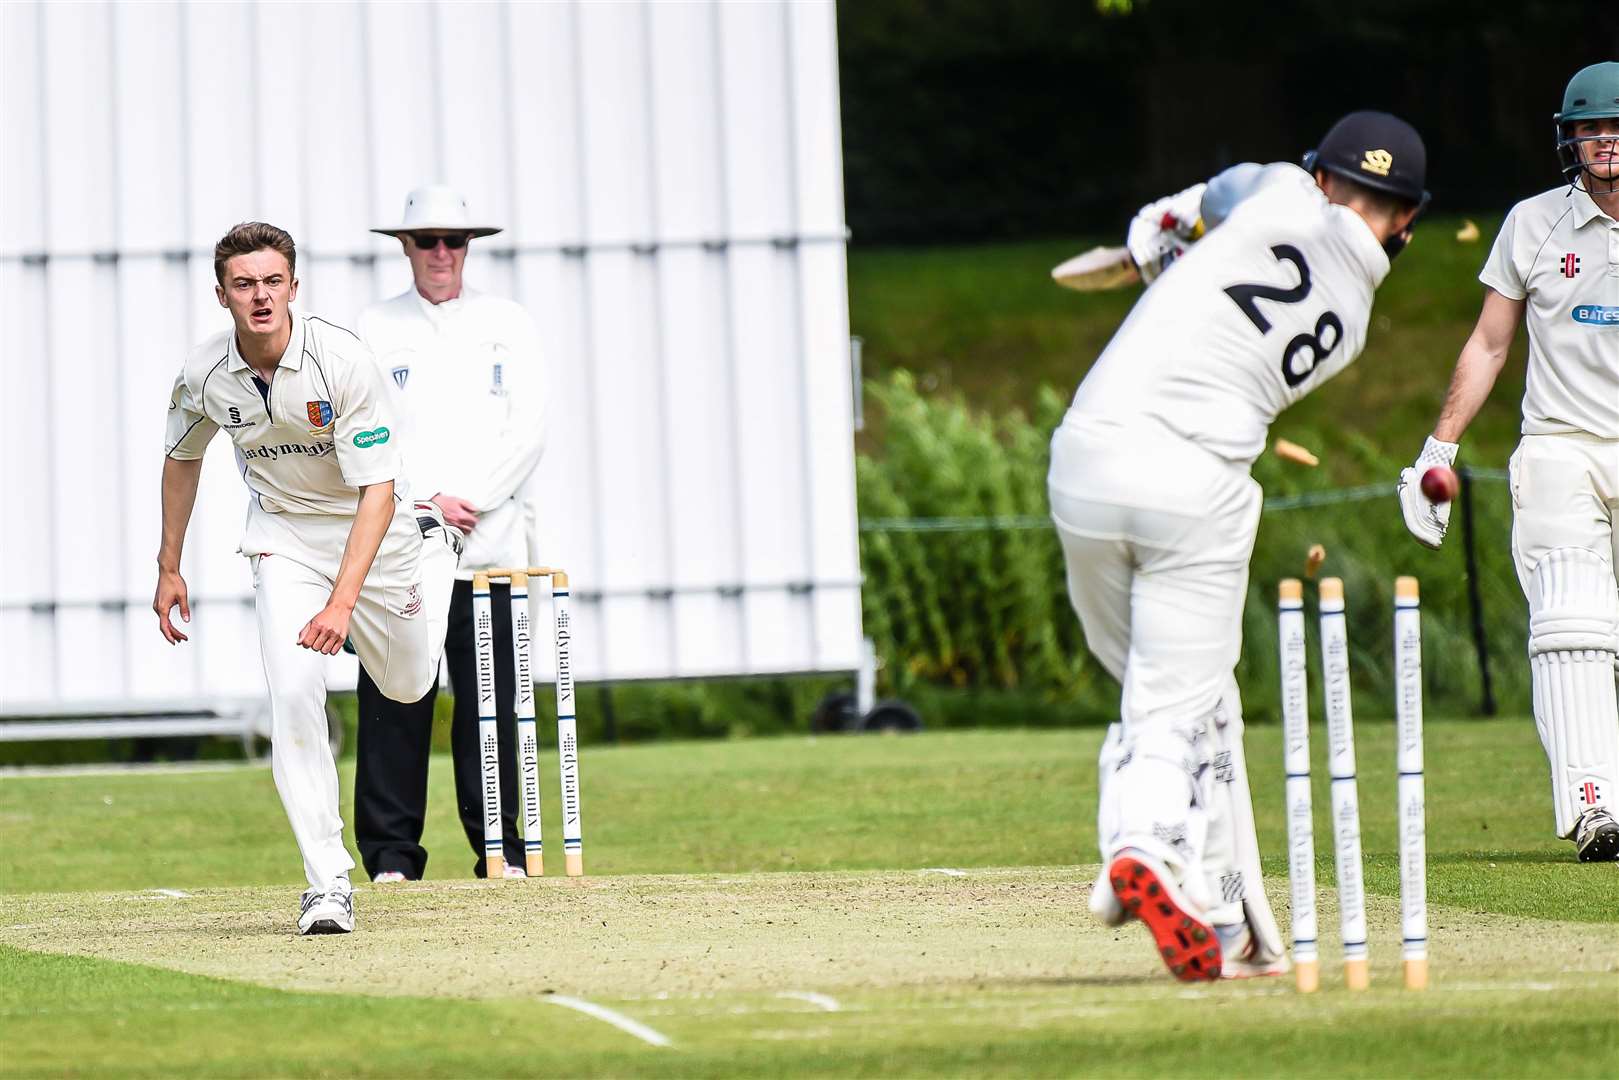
(1440, 484)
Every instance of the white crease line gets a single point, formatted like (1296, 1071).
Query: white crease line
(177, 894)
(945, 870)
(820, 1001)
(618, 1020)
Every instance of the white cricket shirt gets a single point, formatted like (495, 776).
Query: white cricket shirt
(1559, 252)
(470, 378)
(306, 441)
(1255, 315)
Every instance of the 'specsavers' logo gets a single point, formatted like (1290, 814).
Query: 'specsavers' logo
(366, 439)
(1596, 315)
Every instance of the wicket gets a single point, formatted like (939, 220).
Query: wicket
(1345, 793)
(528, 756)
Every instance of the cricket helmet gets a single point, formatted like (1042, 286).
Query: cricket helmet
(1592, 94)
(1376, 150)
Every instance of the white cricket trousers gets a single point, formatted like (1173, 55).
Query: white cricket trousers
(1157, 534)
(397, 628)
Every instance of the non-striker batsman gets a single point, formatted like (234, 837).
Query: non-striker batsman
(1555, 267)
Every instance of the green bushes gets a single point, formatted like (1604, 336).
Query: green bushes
(985, 608)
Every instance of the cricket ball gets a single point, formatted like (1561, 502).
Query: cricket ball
(1440, 484)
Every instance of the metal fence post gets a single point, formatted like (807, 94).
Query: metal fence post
(1475, 606)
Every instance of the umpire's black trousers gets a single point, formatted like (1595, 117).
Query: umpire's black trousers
(390, 777)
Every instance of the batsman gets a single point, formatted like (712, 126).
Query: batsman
(1157, 514)
(1555, 266)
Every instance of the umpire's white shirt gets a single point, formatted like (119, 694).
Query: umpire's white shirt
(1560, 253)
(470, 374)
(1258, 313)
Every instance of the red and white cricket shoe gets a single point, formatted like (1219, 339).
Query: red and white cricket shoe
(1148, 891)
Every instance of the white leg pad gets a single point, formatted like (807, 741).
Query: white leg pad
(1231, 858)
(1160, 792)
(1573, 623)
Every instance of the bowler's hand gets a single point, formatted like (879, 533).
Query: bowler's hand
(171, 591)
(457, 511)
(326, 632)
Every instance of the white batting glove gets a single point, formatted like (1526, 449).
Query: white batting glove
(1426, 520)
(1162, 231)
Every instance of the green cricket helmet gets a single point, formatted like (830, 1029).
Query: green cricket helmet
(1592, 94)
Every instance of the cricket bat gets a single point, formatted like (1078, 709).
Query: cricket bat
(1098, 269)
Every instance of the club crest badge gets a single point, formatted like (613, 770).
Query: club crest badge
(320, 413)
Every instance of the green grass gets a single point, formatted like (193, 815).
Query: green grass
(997, 972)
(988, 321)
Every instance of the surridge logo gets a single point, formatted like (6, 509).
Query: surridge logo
(1377, 161)
(375, 437)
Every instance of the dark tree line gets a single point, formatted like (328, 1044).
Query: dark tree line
(967, 119)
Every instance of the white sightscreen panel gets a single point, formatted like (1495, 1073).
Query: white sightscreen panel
(472, 104)
(688, 178)
(703, 461)
(297, 83)
(147, 137)
(79, 126)
(401, 105)
(22, 118)
(758, 136)
(616, 147)
(221, 165)
(818, 147)
(27, 661)
(540, 55)
(627, 438)
(669, 179)
(833, 524)
(334, 139)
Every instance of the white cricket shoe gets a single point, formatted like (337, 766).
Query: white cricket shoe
(1243, 957)
(514, 871)
(1596, 836)
(1147, 890)
(388, 877)
(329, 912)
(1105, 902)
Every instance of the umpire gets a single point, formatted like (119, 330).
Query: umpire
(471, 375)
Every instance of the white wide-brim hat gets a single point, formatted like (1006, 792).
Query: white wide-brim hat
(437, 207)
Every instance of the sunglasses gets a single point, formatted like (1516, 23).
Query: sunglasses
(427, 242)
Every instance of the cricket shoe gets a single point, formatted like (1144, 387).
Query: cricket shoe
(512, 871)
(1146, 890)
(1596, 836)
(430, 520)
(1242, 956)
(388, 877)
(329, 912)
(1105, 904)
